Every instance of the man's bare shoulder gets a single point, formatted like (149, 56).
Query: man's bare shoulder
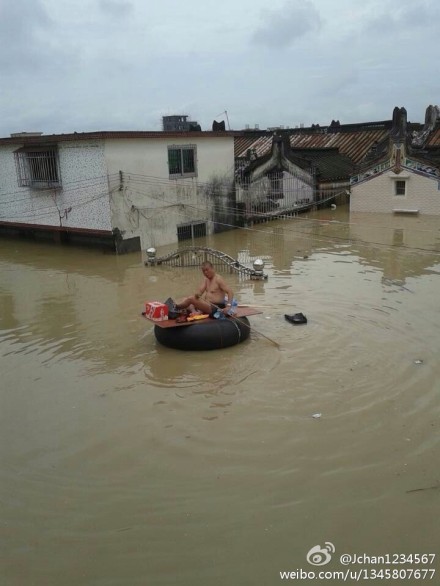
(217, 278)
(221, 282)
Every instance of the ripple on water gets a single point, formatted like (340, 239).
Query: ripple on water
(354, 355)
(208, 372)
(208, 446)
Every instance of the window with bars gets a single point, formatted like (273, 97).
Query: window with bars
(276, 184)
(37, 168)
(192, 230)
(400, 188)
(182, 161)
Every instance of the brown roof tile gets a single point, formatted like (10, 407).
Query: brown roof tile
(352, 142)
(434, 138)
(354, 145)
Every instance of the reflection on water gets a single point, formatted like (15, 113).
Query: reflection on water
(124, 462)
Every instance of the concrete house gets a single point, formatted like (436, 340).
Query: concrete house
(285, 179)
(123, 190)
(400, 174)
(133, 190)
(277, 181)
(290, 169)
(386, 166)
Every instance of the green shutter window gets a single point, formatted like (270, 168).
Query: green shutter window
(174, 162)
(188, 160)
(182, 161)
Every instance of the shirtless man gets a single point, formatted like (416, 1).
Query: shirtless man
(214, 290)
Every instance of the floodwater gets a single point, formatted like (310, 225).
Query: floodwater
(128, 463)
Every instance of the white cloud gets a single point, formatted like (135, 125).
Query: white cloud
(119, 64)
(23, 27)
(116, 8)
(282, 27)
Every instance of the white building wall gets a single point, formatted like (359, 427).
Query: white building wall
(14, 200)
(85, 185)
(83, 191)
(151, 205)
(297, 187)
(378, 194)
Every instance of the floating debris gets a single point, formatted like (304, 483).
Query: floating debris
(418, 361)
(297, 318)
(435, 487)
(316, 415)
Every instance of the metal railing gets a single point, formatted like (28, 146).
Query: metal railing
(195, 255)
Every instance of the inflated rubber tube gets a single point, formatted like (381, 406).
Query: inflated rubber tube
(208, 335)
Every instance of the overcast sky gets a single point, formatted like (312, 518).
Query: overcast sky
(88, 65)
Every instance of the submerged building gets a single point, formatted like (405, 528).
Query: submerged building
(131, 190)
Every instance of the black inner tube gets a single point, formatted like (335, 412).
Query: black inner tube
(210, 334)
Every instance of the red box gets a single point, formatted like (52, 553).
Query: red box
(156, 310)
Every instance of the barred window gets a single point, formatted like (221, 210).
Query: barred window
(182, 161)
(400, 188)
(192, 230)
(37, 167)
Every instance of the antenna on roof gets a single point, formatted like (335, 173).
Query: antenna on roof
(227, 119)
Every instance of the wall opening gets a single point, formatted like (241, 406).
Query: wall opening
(192, 230)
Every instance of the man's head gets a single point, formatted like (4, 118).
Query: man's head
(208, 269)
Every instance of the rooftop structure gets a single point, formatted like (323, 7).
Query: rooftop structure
(178, 123)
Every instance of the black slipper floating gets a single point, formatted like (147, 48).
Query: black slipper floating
(296, 319)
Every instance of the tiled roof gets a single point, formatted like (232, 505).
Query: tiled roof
(354, 145)
(354, 141)
(330, 164)
(260, 143)
(428, 152)
(428, 156)
(434, 138)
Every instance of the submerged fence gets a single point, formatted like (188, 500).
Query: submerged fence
(194, 256)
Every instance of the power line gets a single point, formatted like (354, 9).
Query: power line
(80, 185)
(148, 181)
(299, 232)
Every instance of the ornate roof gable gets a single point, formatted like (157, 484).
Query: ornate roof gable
(279, 158)
(420, 137)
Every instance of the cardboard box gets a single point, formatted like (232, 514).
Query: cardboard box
(156, 310)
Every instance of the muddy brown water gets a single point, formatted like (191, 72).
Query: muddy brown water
(128, 463)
